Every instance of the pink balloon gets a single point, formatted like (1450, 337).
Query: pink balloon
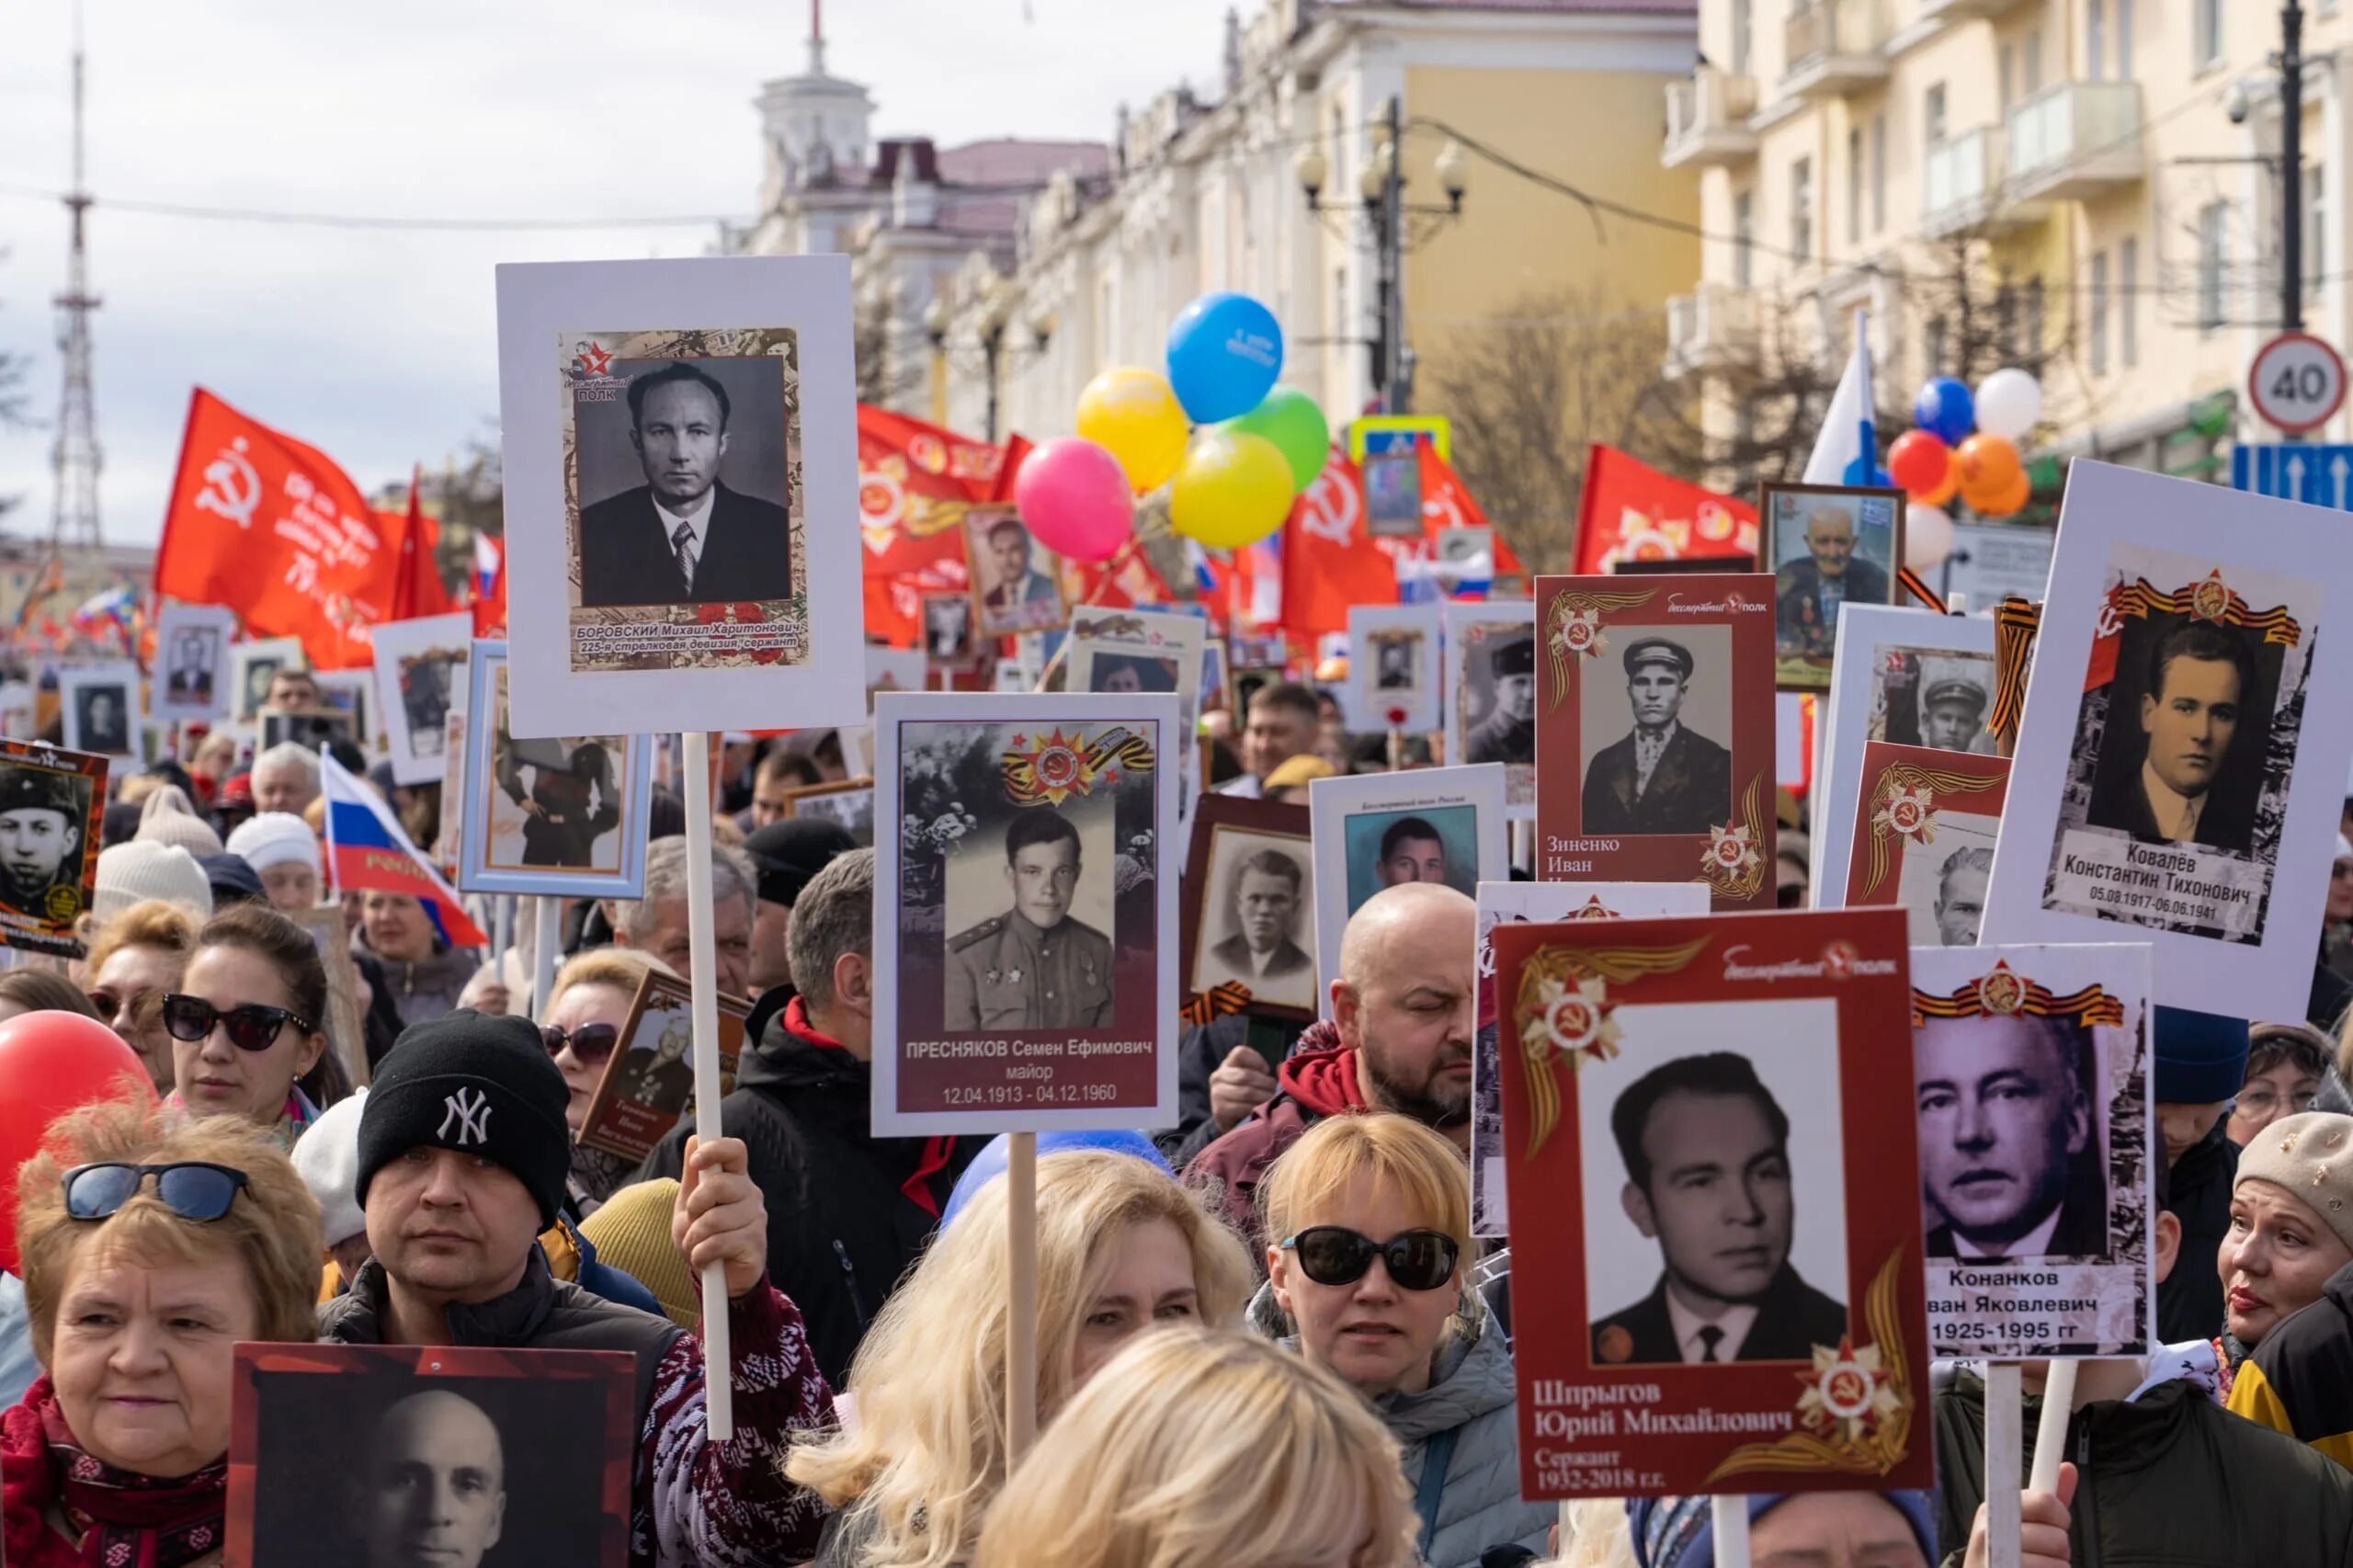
(1074, 496)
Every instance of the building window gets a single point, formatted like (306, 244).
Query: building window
(1801, 209)
(1854, 184)
(2098, 308)
(2095, 38)
(1932, 118)
(2124, 40)
(1743, 35)
(2211, 259)
(2033, 72)
(1878, 173)
(2206, 34)
(2006, 61)
(1933, 344)
(2128, 304)
(1743, 238)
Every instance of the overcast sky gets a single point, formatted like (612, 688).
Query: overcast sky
(379, 347)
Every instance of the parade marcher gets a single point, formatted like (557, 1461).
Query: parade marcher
(128, 873)
(2289, 1267)
(248, 1021)
(167, 817)
(26, 991)
(286, 779)
(1121, 1249)
(785, 854)
(779, 772)
(589, 1005)
(2286, 1066)
(848, 1212)
(135, 958)
(283, 850)
(150, 1246)
(1287, 782)
(1817, 1529)
(1399, 1039)
(1367, 1224)
(656, 923)
(328, 1160)
(401, 954)
(1282, 722)
(2200, 1064)
(462, 1157)
(1291, 1456)
(232, 882)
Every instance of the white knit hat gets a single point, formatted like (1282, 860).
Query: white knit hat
(167, 818)
(328, 1158)
(129, 873)
(275, 838)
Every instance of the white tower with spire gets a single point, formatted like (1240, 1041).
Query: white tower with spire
(818, 127)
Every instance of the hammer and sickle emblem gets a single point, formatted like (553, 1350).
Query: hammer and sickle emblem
(232, 489)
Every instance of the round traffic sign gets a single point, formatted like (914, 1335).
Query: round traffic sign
(2297, 383)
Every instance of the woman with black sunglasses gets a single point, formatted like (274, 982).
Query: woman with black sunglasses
(248, 1020)
(587, 1006)
(1368, 1222)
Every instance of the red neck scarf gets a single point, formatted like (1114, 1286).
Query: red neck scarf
(936, 1150)
(125, 1520)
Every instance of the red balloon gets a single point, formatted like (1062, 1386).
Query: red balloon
(1919, 462)
(52, 1062)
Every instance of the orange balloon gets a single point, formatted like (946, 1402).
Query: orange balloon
(2009, 501)
(1946, 488)
(1989, 465)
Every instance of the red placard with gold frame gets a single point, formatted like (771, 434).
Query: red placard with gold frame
(1920, 816)
(1703, 1031)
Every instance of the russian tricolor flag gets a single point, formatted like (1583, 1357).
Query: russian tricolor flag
(366, 849)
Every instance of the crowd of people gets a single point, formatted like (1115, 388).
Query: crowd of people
(1265, 1335)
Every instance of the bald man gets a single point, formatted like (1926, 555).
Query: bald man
(434, 1491)
(1398, 1039)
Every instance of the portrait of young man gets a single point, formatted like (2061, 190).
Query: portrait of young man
(682, 537)
(1034, 967)
(1809, 589)
(1507, 734)
(194, 652)
(2201, 678)
(40, 838)
(2008, 1163)
(1952, 714)
(1412, 850)
(1265, 892)
(1118, 673)
(1961, 895)
(1662, 777)
(1707, 1158)
(105, 720)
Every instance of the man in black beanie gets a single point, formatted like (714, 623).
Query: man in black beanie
(462, 1156)
(784, 856)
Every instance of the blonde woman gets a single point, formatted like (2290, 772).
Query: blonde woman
(135, 958)
(1367, 1221)
(1301, 1473)
(588, 1004)
(1122, 1248)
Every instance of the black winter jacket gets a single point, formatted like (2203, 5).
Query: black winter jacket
(844, 1223)
(2190, 1302)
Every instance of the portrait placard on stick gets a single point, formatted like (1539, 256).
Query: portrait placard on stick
(1393, 667)
(2032, 1067)
(51, 803)
(1029, 974)
(1491, 693)
(1015, 581)
(2182, 759)
(1135, 650)
(566, 815)
(253, 666)
(100, 704)
(1655, 732)
(1249, 911)
(420, 664)
(649, 1079)
(849, 801)
(1375, 830)
(1923, 837)
(1829, 545)
(192, 662)
(1647, 1065)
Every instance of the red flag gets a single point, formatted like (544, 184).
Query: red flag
(419, 589)
(914, 483)
(269, 527)
(1329, 562)
(1630, 511)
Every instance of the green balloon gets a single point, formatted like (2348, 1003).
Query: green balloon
(1289, 417)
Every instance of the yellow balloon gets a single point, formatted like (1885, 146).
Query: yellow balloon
(1131, 414)
(1235, 489)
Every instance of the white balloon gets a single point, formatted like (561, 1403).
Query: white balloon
(2010, 402)
(1927, 537)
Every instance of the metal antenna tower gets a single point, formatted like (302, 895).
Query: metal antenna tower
(75, 457)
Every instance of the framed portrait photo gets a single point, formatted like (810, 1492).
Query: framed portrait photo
(649, 1080)
(1140, 650)
(1655, 732)
(192, 677)
(1375, 830)
(1017, 581)
(948, 636)
(1491, 693)
(51, 805)
(848, 802)
(1030, 973)
(1248, 934)
(253, 666)
(681, 491)
(565, 814)
(1922, 837)
(1512, 904)
(420, 666)
(309, 728)
(100, 707)
(1643, 1061)
(2038, 1241)
(352, 692)
(331, 1446)
(1828, 545)
(1245, 680)
(2180, 764)
(1393, 667)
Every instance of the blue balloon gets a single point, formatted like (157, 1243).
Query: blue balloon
(1224, 352)
(1945, 409)
(990, 1162)
(1862, 470)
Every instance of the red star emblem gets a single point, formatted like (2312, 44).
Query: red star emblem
(1021, 739)
(595, 360)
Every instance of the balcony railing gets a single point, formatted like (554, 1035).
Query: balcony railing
(1834, 46)
(1960, 181)
(1707, 118)
(2074, 139)
(1708, 328)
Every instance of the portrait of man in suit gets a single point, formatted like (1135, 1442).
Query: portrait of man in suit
(682, 537)
(2008, 1163)
(1266, 890)
(1808, 590)
(1707, 1152)
(1662, 777)
(2200, 679)
(1021, 596)
(194, 651)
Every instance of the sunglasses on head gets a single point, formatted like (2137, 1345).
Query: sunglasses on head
(190, 1189)
(251, 1027)
(591, 1043)
(1334, 1254)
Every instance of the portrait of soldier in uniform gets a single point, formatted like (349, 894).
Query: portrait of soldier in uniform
(1707, 1157)
(2199, 679)
(1266, 890)
(663, 1075)
(1961, 895)
(1507, 734)
(2009, 1165)
(424, 701)
(1809, 590)
(573, 800)
(1664, 777)
(40, 841)
(1033, 967)
(1393, 655)
(1952, 714)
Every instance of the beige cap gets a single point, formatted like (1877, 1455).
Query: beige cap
(2310, 1156)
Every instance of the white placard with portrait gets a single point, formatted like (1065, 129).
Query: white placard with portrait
(1372, 831)
(1393, 667)
(1490, 690)
(192, 662)
(98, 705)
(420, 664)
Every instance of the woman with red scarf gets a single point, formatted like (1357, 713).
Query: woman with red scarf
(149, 1245)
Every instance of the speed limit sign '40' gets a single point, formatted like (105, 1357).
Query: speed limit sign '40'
(2297, 383)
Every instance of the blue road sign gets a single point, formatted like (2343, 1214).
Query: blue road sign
(2295, 470)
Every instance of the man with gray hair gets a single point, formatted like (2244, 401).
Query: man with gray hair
(656, 923)
(286, 779)
(848, 1212)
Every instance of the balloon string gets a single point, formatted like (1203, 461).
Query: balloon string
(1111, 568)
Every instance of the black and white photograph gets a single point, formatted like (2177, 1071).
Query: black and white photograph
(948, 628)
(1029, 915)
(1828, 546)
(674, 433)
(50, 806)
(420, 664)
(351, 692)
(382, 1456)
(1017, 584)
(1393, 667)
(850, 802)
(1375, 830)
(2031, 1075)
(565, 814)
(893, 669)
(309, 728)
(1258, 921)
(192, 666)
(99, 706)
(1934, 699)
(253, 666)
(1491, 693)
(1657, 739)
(1466, 547)
(1129, 651)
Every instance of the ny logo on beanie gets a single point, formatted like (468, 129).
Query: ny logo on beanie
(473, 1120)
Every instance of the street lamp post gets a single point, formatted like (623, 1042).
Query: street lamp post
(997, 314)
